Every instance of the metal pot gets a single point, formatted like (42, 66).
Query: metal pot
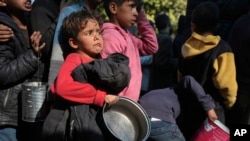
(34, 106)
(126, 120)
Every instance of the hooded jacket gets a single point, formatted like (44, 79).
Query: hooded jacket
(17, 64)
(122, 41)
(221, 78)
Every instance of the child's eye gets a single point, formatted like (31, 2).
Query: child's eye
(88, 33)
(133, 5)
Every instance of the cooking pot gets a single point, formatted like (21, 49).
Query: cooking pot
(126, 120)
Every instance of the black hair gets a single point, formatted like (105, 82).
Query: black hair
(117, 2)
(73, 24)
(205, 17)
(107, 2)
(162, 21)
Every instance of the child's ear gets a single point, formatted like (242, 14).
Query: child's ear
(2, 3)
(113, 8)
(73, 43)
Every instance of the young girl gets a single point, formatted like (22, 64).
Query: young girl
(81, 32)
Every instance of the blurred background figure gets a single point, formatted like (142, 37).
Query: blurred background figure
(239, 40)
(164, 65)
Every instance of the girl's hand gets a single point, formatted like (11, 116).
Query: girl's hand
(111, 99)
(35, 43)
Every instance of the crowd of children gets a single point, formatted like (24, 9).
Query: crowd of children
(74, 42)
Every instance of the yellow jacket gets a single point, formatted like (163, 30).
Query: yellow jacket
(224, 76)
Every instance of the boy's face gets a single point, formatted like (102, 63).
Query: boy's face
(89, 41)
(19, 5)
(126, 14)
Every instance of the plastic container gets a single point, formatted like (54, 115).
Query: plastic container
(212, 131)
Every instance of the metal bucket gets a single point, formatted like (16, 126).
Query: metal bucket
(34, 97)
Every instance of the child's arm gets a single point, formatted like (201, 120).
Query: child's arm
(71, 90)
(6, 33)
(147, 44)
(16, 68)
(190, 85)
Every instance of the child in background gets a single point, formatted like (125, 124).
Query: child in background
(122, 15)
(164, 64)
(19, 57)
(81, 32)
(210, 60)
(164, 106)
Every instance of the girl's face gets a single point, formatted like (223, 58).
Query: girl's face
(19, 5)
(89, 41)
(126, 14)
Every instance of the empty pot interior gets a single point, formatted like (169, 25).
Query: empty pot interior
(126, 120)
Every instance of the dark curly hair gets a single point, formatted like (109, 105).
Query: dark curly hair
(73, 24)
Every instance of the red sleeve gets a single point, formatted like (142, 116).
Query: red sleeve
(71, 90)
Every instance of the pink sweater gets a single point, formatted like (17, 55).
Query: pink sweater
(119, 40)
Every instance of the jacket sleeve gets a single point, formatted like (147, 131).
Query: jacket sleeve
(147, 44)
(190, 85)
(15, 69)
(74, 91)
(225, 78)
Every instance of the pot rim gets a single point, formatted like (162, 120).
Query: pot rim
(139, 107)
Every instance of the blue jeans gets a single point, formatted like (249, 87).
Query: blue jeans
(8, 134)
(165, 131)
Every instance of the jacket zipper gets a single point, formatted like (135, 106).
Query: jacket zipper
(6, 98)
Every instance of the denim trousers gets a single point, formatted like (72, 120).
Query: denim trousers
(8, 134)
(165, 131)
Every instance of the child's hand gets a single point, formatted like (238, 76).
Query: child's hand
(212, 115)
(3, 4)
(6, 33)
(35, 42)
(111, 99)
